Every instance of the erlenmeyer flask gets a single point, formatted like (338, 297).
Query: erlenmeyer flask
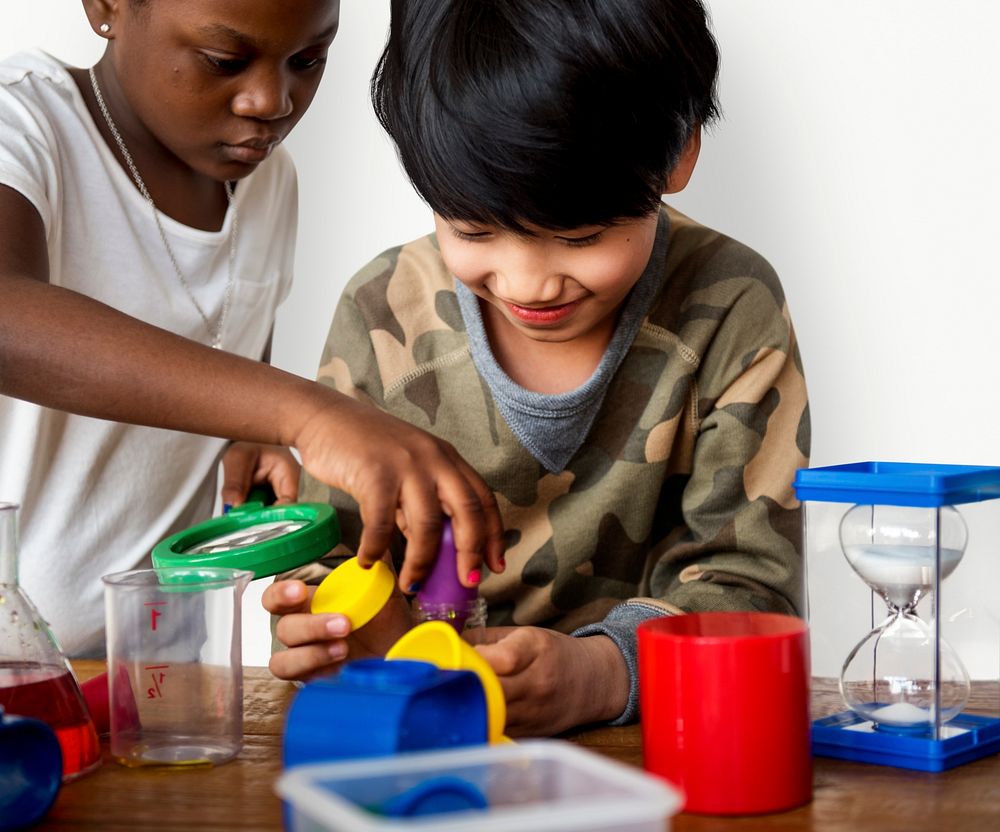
(35, 677)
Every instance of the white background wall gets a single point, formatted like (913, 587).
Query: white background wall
(858, 153)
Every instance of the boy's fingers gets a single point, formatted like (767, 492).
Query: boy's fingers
(302, 662)
(300, 629)
(284, 597)
(504, 657)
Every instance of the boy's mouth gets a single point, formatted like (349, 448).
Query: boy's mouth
(542, 315)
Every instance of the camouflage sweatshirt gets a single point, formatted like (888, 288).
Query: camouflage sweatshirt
(679, 498)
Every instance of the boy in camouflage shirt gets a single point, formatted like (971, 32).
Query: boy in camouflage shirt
(625, 379)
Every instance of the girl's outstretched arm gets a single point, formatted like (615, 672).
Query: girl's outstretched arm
(67, 351)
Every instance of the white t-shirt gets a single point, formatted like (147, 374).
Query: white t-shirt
(96, 496)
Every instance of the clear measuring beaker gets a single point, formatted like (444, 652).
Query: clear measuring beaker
(175, 636)
(35, 678)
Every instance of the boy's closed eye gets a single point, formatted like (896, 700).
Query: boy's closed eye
(581, 237)
(586, 240)
(470, 235)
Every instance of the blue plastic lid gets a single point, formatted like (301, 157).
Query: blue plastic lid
(435, 796)
(30, 770)
(898, 484)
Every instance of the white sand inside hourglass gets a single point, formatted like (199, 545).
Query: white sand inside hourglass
(900, 570)
(901, 714)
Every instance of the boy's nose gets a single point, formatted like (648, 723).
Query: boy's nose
(528, 288)
(527, 277)
(267, 96)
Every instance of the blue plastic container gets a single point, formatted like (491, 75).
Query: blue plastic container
(376, 708)
(30, 771)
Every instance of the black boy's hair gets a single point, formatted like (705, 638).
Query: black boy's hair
(557, 113)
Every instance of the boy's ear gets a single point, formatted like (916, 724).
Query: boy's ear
(102, 13)
(681, 172)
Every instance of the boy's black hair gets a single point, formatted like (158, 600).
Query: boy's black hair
(557, 113)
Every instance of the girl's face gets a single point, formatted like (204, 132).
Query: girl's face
(553, 286)
(215, 83)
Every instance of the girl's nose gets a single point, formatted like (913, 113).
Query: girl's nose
(266, 96)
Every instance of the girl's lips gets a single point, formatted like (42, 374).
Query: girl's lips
(246, 153)
(541, 315)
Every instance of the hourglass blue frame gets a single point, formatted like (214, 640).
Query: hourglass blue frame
(846, 735)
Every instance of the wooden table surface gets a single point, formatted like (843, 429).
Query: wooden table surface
(240, 794)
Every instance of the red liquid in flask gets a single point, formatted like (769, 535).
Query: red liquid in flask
(50, 693)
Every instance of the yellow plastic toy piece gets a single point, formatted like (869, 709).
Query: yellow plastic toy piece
(355, 592)
(437, 642)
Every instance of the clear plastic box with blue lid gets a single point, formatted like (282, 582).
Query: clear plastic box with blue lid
(900, 561)
(532, 786)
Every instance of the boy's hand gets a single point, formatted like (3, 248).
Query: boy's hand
(403, 476)
(554, 682)
(246, 464)
(318, 644)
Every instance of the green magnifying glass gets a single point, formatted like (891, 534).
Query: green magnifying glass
(264, 539)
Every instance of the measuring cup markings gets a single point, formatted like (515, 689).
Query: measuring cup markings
(156, 691)
(154, 613)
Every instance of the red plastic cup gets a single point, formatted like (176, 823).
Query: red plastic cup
(97, 694)
(725, 709)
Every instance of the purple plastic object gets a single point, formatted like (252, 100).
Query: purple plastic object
(442, 589)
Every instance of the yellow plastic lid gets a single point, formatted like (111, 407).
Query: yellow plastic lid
(437, 642)
(355, 592)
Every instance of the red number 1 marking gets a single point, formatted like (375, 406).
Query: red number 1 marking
(154, 613)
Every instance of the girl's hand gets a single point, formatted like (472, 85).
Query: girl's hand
(246, 464)
(319, 644)
(402, 476)
(554, 682)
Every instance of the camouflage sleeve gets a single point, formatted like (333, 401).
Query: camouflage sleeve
(740, 548)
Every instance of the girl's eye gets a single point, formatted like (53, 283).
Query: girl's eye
(589, 240)
(223, 66)
(304, 63)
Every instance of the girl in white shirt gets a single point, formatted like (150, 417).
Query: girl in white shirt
(147, 225)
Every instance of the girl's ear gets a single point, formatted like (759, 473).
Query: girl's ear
(102, 15)
(681, 172)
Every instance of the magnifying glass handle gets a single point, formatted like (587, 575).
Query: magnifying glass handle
(260, 496)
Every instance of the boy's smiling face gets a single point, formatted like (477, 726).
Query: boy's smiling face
(552, 286)
(215, 84)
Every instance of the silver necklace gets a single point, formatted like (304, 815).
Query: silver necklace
(216, 335)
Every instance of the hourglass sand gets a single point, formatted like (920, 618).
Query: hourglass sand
(904, 684)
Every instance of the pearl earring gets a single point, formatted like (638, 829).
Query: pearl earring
(105, 28)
